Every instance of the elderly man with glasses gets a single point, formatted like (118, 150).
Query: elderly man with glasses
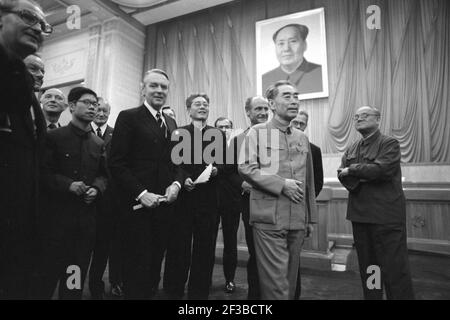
(22, 130)
(371, 172)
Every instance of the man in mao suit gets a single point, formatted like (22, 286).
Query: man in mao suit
(141, 166)
(290, 46)
(108, 237)
(278, 165)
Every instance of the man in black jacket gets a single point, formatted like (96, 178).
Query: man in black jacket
(191, 248)
(148, 183)
(74, 176)
(301, 122)
(22, 131)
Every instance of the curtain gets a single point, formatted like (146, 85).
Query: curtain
(403, 69)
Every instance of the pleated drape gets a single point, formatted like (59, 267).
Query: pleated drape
(403, 69)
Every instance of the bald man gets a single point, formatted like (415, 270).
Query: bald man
(371, 172)
(53, 104)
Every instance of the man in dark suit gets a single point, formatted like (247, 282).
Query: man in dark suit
(301, 122)
(36, 67)
(257, 110)
(74, 176)
(191, 249)
(141, 166)
(108, 237)
(53, 103)
(22, 131)
(229, 202)
(290, 46)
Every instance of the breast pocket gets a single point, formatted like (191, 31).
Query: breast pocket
(351, 159)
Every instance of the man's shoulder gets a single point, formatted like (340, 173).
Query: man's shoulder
(59, 132)
(310, 67)
(130, 112)
(314, 148)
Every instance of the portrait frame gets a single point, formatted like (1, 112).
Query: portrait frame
(316, 52)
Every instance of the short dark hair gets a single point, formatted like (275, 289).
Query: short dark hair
(302, 30)
(272, 90)
(221, 119)
(193, 96)
(159, 71)
(77, 92)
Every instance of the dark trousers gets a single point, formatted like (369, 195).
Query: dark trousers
(145, 241)
(108, 244)
(230, 225)
(252, 271)
(17, 253)
(191, 251)
(68, 245)
(384, 246)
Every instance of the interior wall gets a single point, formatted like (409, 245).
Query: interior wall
(403, 68)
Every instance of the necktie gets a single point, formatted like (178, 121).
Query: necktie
(161, 124)
(99, 132)
(51, 126)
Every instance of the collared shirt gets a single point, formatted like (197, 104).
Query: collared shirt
(154, 112)
(102, 128)
(48, 123)
(376, 194)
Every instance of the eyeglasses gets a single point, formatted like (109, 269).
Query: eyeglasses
(362, 116)
(88, 103)
(32, 19)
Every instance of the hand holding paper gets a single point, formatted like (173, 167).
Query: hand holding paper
(205, 175)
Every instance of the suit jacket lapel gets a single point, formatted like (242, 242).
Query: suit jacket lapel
(151, 122)
(107, 135)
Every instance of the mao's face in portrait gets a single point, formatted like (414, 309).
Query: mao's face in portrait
(290, 47)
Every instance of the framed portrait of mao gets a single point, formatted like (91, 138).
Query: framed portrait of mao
(293, 47)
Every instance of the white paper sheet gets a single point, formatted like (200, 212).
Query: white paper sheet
(204, 176)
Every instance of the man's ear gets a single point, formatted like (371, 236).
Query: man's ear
(71, 107)
(272, 104)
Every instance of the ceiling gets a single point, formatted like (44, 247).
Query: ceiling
(139, 13)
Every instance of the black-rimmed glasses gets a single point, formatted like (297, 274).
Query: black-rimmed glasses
(31, 19)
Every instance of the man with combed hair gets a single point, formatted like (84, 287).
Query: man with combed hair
(22, 131)
(141, 166)
(371, 172)
(278, 165)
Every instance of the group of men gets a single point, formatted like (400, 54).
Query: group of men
(66, 192)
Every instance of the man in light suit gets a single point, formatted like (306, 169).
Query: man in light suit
(108, 237)
(141, 166)
(278, 165)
